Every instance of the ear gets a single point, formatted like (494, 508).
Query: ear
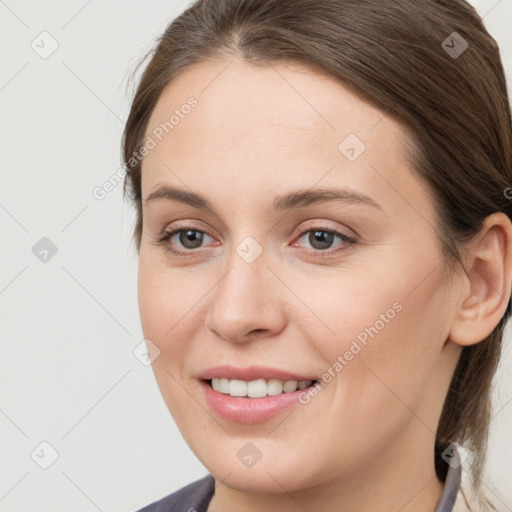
(486, 284)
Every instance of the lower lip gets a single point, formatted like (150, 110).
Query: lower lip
(249, 410)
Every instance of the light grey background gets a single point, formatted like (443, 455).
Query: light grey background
(68, 375)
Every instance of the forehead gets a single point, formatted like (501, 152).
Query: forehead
(259, 123)
(236, 97)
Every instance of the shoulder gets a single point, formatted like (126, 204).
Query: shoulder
(194, 497)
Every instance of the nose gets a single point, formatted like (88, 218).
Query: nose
(247, 302)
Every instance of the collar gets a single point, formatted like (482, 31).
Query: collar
(451, 489)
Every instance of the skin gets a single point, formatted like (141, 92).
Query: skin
(366, 441)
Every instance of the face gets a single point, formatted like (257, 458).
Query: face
(277, 277)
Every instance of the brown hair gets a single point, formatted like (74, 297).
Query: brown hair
(396, 56)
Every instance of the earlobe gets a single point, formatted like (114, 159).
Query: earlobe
(487, 286)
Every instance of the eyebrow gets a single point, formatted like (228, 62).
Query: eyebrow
(294, 199)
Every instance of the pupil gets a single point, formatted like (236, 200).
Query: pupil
(323, 238)
(191, 236)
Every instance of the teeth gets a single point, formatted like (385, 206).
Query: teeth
(274, 387)
(257, 388)
(238, 388)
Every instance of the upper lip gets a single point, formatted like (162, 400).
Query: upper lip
(251, 373)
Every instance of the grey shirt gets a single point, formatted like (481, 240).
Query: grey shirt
(196, 496)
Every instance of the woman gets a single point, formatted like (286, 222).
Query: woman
(325, 249)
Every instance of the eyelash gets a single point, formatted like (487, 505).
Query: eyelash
(167, 235)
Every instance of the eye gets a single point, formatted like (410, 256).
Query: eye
(190, 239)
(321, 239)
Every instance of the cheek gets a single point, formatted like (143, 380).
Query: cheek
(347, 310)
(168, 306)
(163, 313)
(380, 308)
(152, 302)
(378, 340)
(165, 303)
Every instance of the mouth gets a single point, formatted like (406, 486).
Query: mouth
(259, 388)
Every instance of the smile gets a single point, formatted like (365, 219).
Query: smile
(257, 388)
(269, 398)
